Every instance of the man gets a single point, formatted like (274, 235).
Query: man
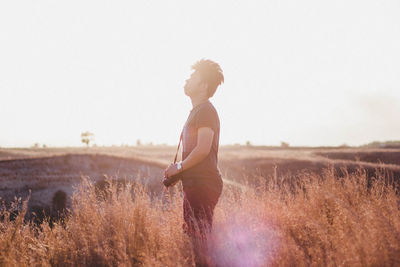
(201, 179)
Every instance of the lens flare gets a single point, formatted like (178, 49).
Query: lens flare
(244, 240)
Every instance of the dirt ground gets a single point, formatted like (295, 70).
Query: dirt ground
(41, 172)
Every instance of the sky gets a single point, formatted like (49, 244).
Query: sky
(309, 73)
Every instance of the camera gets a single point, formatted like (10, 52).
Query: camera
(172, 180)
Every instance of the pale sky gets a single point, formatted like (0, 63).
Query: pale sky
(305, 72)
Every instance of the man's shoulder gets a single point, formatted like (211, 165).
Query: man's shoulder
(207, 108)
(204, 114)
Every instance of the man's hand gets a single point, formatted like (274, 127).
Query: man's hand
(171, 170)
(205, 137)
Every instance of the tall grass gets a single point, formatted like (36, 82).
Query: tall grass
(308, 220)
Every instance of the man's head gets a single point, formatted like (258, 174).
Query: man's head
(205, 79)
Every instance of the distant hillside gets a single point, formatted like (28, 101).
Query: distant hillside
(385, 144)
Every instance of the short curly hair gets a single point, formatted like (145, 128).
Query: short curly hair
(211, 73)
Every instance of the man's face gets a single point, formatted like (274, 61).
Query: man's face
(194, 85)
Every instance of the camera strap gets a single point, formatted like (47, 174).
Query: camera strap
(179, 144)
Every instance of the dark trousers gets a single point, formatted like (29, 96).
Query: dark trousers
(198, 210)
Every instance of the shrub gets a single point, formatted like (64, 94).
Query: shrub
(316, 220)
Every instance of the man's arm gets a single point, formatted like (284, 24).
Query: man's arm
(204, 142)
(205, 137)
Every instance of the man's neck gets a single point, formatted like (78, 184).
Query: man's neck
(198, 101)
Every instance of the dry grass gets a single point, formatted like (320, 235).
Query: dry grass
(311, 220)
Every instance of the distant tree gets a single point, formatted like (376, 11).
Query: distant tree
(384, 144)
(138, 142)
(392, 144)
(36, 145)
(248, 143)
(87, 137)
(284, 144)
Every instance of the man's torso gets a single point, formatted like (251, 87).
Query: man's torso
(206, 172)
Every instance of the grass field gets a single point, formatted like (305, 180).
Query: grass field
(294, 207)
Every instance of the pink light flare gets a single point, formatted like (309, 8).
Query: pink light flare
(244, 240)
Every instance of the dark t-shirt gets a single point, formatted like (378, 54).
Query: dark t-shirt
(206, 172)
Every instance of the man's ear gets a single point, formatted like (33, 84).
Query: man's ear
(204, 87)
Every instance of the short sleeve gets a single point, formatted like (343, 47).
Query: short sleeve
(207, 117)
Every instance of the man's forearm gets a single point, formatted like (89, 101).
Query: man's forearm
(195, 157)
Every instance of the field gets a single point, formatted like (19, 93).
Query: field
(293, 206)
